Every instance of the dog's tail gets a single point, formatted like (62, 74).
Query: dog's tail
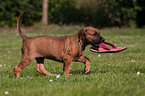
(19, 29)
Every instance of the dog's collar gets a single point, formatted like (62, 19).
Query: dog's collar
(79, 43)
(82, 46)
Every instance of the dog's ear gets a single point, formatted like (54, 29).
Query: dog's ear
(81, 34)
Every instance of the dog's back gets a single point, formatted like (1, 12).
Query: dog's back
(50, 47)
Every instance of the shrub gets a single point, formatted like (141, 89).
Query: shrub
(98, 13)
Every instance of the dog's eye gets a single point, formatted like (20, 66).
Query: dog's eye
(95, 34)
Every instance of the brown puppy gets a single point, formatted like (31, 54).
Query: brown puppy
(64, 49)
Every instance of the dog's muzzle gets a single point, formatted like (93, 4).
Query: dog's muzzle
(95, 43)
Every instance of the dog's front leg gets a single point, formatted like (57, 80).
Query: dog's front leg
(86, 61)
(66, 64)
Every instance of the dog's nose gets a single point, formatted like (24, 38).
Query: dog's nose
(103, 39)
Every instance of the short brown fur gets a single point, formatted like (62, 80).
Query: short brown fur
(63, 49)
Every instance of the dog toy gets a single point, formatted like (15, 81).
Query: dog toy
(103, 48)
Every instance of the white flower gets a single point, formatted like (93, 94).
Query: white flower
(6, 92)
(58, 76)
(138, 73)
(51, 80)
(132, 61)
(70, 74)
(108, 64)
(99, 55)
(0, 65)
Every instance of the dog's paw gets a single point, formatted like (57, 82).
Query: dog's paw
(87, 70)
(51, 74)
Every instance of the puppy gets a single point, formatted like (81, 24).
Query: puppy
(64, 49)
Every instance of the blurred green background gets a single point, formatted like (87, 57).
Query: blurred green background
(97, 13)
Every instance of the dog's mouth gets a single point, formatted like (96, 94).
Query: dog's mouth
(95, 46)
(95, 43)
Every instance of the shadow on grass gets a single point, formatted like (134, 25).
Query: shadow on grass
(78, 72)
(114, 69)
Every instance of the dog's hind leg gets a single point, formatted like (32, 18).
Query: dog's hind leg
(25, 60)
(86, 61)
(40, 67)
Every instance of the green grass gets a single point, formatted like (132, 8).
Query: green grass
(110, 75)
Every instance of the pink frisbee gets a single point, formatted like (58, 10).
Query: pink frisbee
(103, 48)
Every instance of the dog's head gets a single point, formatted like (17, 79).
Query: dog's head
(91, 36)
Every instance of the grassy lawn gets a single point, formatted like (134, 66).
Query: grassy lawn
(110, 74)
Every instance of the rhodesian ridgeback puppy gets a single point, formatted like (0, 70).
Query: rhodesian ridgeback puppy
(63, 49)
